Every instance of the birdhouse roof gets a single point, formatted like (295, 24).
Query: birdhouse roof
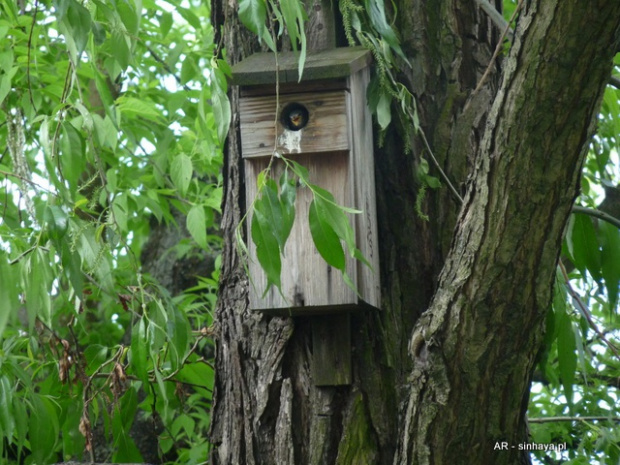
(336, 63)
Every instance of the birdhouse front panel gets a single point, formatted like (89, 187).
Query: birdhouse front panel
(325, 126)
(306, 123)
(309, 284)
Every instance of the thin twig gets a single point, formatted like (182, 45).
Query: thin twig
(601, 215)
(162, 62)
(29, 46)
(441, 171)
(27, 180)
(559, 419)
(585, 312)
(22, 255)
(498, 48)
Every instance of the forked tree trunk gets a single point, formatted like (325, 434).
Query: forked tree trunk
(515, 150)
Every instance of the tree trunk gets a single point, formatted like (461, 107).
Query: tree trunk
(460, 383)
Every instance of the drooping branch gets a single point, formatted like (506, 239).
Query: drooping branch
(593, 212)
(562, 419)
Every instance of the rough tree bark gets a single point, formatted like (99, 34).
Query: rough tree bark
(476, 288)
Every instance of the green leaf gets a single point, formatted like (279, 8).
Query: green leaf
(139, 351)
(119, 208)
(295, 17)
(188, 69)
(198, 374)
(184, 422)
(78, 21)
(128, 16)
(5, 83)
(358, 255)
(21, 423)
(73, 156)
(433, 182)
(181, 171)
(567, 359)
(165, 23)
(253, 15)
(102, 87)
(9, 293)
(610, 260)
(179, 332)
(288, 194)
(57, 221)
(197, 225)
(37, 290)
(189, 16)
(376, 11)
(156, 329)
(220, 106)
(267, 248)
(95, 355)
(335, 216)
(384, 110)
(72, 266)
(43, 429)
(214, 200)
(99, 33)
(559, 306)
(280, 214)
(61, 7)
(126, 449)
(325, 238)
(584, 247)
(6, 60)
(7, 421)
(120, 49)
(129, 406)
(300, 171)
(134, 107)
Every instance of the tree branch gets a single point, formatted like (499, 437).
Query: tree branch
(583, 309)
(559, 419)
(496, 17)
(597, 214)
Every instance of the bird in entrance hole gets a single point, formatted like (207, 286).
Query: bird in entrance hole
(295, 116)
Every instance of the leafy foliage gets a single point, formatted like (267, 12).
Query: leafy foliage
(114, 115)
(269, 19)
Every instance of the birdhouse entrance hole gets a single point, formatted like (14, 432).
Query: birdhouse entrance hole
(294, 116)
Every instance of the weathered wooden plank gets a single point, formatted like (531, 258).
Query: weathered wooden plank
(363, 172)
(260, 68)
(331, 350)
(294, 88)
(262, 130)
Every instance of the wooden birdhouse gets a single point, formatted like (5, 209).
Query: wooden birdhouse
(323, 123)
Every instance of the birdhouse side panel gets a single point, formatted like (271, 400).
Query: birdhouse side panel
(262, 128)
(363, 171)
(309, 284)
